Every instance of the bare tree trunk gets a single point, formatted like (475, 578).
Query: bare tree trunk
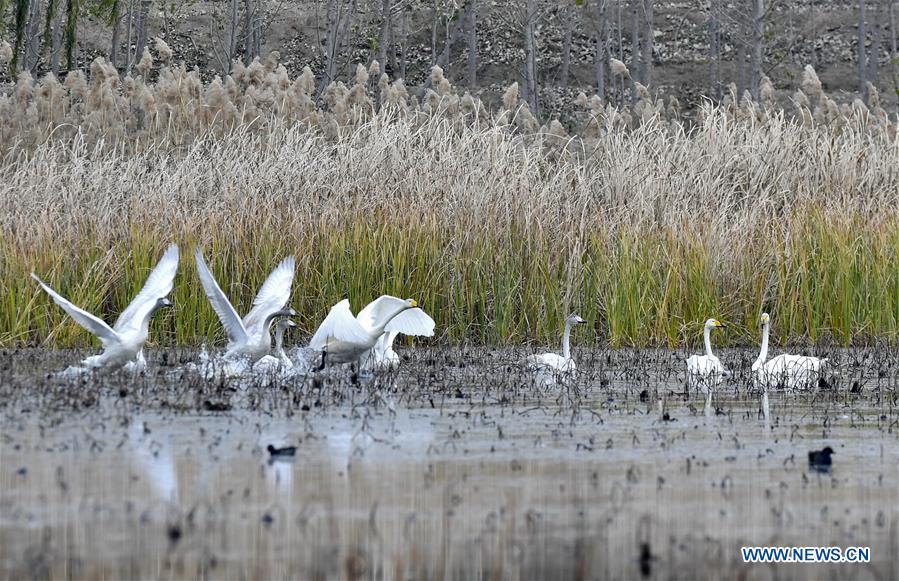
(862, 57)
(232, 36)
(249, 31)
(383, 36)
(741, 69)
(140, 28)
(48, 28)
(814, 25)
(715, 49)
(472, 17)
(569, 13)
(21, 23)
(894, 53)
(636, 69)
(71, 33)
(530, 57)
(129, 56)
(404, 41)
(115, 20)
(758, 29)
(647, 42)
(339, 22)
(599, 61)
(56, 45)
(619, 88)
(876, 43)
(33, 37)
(434, 20)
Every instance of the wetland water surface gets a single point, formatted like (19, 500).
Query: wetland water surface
(455, 466)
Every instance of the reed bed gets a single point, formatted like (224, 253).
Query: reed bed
(641, 221)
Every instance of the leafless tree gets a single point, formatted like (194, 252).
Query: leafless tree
(601, 41)
(758, 31)
(340, 18)
(471, 17)
(894, 53)
(647, 41)
(715, 49)
(862, 56)
(115, 19)
(33, 37)
(569, 17)
(876, 44)
(530, 56)
(635, 67)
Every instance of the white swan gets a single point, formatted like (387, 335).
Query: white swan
(706, 371)
(280, 361)
(789, 371)
(341, 338)
(251, 337)
(382, 355)
(124, 341)
(553, 361)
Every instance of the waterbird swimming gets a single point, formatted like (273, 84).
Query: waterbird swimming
(788, 371)
(123, 342)
(251, 337)
(706, 371)
(284, 452)
(553, 361)
(820, 460)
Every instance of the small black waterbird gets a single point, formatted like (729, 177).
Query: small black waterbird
(820, 460)
(285, 452)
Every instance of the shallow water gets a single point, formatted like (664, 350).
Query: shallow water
(456, 465)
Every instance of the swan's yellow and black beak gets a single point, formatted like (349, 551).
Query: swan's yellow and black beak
(720, 325)
(166, 303)
(413, 302)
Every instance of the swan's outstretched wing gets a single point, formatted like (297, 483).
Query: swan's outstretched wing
(82, 317)
(273, 296)
(237, 334)
(378, 310)
(339, 325)
(158, 285)
(412, 322)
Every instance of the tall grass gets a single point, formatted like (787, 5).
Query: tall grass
(642, 223)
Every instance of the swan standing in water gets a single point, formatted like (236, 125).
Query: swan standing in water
(706, 371)
(789, 371)
(251, 337)
(553, 361)
(123, 342)
(280, 361)
(382, 355)
(341, 338)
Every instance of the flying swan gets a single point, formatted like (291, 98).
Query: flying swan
(124, 341)
(789, 371)
(251, 337)
(342, 338)
(706, 371)
(553, 361)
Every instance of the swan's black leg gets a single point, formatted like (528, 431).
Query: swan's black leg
(322, 366)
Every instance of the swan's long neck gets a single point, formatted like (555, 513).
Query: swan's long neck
(279, 339)
(707, 337)
(145, 324)
(763, 353)
(566, 341)
(379, 329)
